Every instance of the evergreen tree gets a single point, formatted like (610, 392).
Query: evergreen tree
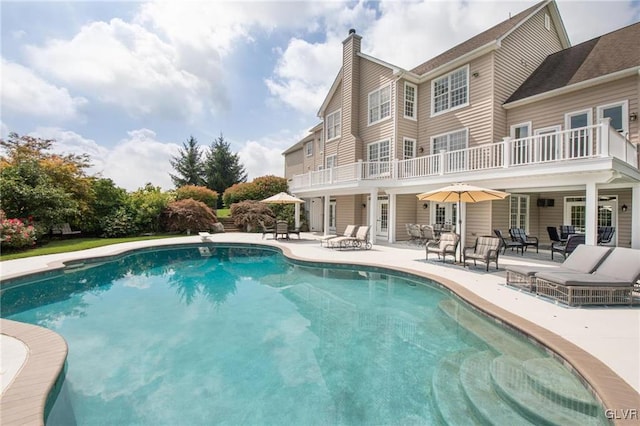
(222, 168)
(188, 165)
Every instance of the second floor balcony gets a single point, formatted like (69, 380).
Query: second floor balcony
(596, 141)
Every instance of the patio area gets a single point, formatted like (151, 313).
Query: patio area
(597, 341)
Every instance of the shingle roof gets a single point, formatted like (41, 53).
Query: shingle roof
(607, 54)
(492, 34)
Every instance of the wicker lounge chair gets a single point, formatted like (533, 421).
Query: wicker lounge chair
(518, 234)
(584, 259)
(349, 231)
(266, 229)
(447, 245)
(359, 241)
(282, 229)
(486, 249)
(611, 283)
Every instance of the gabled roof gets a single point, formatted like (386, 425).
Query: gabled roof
(332, 91)
(493, 36)
(601, 56)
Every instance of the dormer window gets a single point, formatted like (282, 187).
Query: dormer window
(450, 91)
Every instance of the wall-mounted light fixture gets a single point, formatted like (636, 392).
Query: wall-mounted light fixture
(364, 206)
(624, 208)
(425, 206)
(421, 150)
(476, 74)
(633, 116)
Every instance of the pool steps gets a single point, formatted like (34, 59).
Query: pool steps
(507, 384)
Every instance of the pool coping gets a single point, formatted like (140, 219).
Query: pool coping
(24, 401)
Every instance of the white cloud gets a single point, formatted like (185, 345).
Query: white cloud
(24, 92)
(131, 163)
(261, 160)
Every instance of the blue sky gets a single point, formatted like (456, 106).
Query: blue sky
(129, 82)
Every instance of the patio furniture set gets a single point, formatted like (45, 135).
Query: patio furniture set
(590, 275)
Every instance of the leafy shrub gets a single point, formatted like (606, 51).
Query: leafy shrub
(247, 215)
(198, 193)
(147, 205)
(189, 214)
(258, 189)
(14, 234)
(119, 224)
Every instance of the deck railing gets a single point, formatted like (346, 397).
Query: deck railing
(598, 140)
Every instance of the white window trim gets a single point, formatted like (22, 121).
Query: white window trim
(547, 130)
(339, 112)
(335, 161)
(527, 216)
(414, 147)
(547, 21)
(433, 105)
(513, 128)
(625, 113)
(379, 89)
(465, 129)
(415, 101)
(567, 117)
(308, 152)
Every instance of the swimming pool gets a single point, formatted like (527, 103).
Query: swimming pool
(238, 334)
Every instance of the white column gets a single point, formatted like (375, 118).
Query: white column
(591, 214)
(635, 216)
(325, 225)
(392, 218)
(373, 213)
(296, 215)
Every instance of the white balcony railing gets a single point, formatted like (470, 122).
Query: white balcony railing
(598, 140)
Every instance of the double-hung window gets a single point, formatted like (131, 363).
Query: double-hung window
(379, 104)
(333, 125)
(378, 156)
(410, 98)
(522, 146)
(450, 91)
(455, 144)
(308, 149)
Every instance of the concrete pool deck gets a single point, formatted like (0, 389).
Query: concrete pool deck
(602, 344)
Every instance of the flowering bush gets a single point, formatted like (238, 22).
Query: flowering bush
(14, 234)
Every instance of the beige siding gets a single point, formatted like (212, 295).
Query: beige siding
(373, 77)
(351, 72)
(551, 112)
(478, 221)
(476, 116)
(521, 53)
(405, 213)
(293, 164)
(334, 104)
(347, 211)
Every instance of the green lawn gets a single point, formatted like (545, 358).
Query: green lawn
(73, 244)
(223, 212)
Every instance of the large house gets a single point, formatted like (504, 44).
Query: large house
(515, 108)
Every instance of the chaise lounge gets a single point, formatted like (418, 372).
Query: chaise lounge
(611, 283)
(584, 259)
(360, 240)
(349, 231)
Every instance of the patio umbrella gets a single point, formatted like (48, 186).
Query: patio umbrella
(282, 198)
(462, 193)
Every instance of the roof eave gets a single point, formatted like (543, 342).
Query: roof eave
(574, 87)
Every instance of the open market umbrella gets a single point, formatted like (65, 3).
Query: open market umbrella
(462, 193)
(282, 198)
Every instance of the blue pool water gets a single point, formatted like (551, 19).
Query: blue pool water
(239, 335)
